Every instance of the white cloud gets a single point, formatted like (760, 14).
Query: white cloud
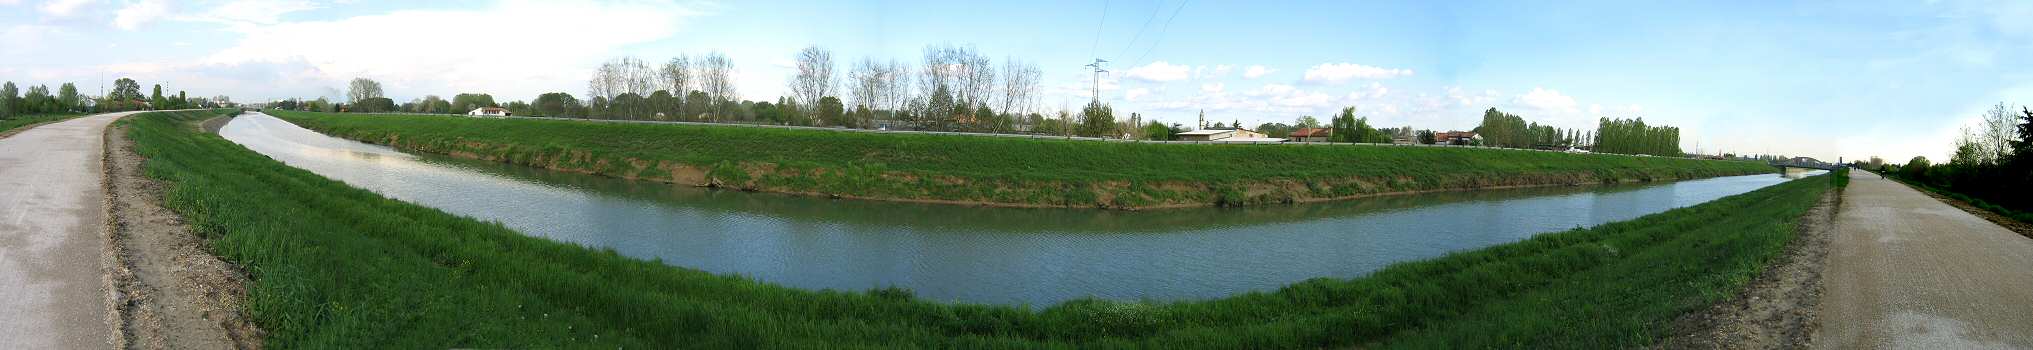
(1133, 94)
(1256, 71)
(424, 64)
(139, 13)
(248, 13)
(62, 8)
(1213, 88)
(1548, 100)
(1216, 71)
(1339, 72)
(1160, 71)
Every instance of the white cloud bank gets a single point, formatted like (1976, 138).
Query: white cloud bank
(1160, 71)
(445, 52)
(1255, 71)
(1340, 72)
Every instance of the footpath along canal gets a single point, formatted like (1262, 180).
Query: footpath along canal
(973, 254)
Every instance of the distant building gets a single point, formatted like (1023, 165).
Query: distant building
(1226, 134)
(1456, 138)
(489, 112)
(1311, 135)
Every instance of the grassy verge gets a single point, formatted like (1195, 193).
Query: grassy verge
(16, 122)
(993, 170)
(1979, 203)
(340, 267)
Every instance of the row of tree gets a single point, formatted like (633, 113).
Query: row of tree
(1993, 162)
(1499, 129)
(1632, 136)
(125, 96)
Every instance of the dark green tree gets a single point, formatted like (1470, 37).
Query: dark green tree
(834, 113)
(557, 104)
(463, 103)
(1097, 120)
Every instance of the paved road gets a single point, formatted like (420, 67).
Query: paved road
(1908, 272)
(52, 290)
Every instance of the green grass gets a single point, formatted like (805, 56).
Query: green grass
(339, 267)
(2021, 216)
(15, 122)
(997, 169)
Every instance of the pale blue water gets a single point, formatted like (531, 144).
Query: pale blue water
(973, 254)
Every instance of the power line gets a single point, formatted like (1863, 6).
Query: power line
(1097, 29)
(1165, 29)
(1140, 29)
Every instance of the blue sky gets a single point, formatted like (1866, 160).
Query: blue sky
(1824, 79)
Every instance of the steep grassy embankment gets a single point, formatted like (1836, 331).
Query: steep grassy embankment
(340, 267)
(994, 170)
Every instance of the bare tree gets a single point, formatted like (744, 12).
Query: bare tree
(677, 76)
(1019, 86)
(976, 78)
(896, 84)
(622, 76)
(715, 72)
(865, 83)
(815, 77)
(605, 83)
(362, 89)
(938, 69)
(1995, 134)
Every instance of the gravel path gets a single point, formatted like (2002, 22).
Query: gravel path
(1909, 272)
(53, 289)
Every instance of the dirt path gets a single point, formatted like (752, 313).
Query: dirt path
(53, 287)
(1908, 272)
(1776, 311)
(173, 293)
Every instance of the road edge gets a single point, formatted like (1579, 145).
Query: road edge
(1779, 307)
(165, 288)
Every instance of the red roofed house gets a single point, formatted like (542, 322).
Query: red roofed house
(1310, 135)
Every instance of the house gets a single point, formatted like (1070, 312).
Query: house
(1226, 134)
(488, 112)
(1205, 135)
(1311, 135)
(1456, 138)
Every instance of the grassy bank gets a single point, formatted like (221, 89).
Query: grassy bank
(994, 170)
(2017, 215)
(340, 267)
(7, 125)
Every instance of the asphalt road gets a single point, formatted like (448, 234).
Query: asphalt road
(52, 289)
(1908, 272)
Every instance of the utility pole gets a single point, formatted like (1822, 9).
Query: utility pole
(1097, 77)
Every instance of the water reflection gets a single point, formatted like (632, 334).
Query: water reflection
(973, 254)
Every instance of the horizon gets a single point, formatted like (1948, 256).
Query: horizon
(1883, 78)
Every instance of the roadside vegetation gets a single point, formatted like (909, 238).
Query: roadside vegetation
(1991, 168)
(994, 170)
(339, 267)
(9, 124)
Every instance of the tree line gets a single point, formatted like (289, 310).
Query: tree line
(953, 88)
(125, 96)
(1992, 164)
(1632, 136)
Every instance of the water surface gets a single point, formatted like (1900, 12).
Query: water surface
(973, 254)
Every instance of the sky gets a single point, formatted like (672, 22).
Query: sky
(1826, 79)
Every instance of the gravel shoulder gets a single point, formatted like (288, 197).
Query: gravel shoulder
(173, 293)
(1906, 271)
(1776, 310)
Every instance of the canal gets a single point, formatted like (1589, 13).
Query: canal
(972, 254)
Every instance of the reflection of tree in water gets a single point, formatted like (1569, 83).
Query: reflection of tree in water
(942, 217)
